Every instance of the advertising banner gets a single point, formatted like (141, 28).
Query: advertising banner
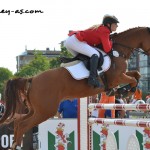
(58, 134)
(6, 136)
(121, 137)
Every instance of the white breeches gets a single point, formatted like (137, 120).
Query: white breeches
(75, 46)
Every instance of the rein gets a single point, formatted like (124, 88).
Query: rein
(139, 50)
(124, 46)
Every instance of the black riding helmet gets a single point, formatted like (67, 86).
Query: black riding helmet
(109, 19)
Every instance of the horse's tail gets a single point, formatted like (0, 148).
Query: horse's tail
(12, 96)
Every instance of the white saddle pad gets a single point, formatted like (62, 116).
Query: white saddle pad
(78, 71)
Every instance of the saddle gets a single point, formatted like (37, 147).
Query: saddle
(86, 61)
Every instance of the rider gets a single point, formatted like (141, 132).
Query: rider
(84, 42)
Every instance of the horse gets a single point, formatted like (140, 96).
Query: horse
(42, 93)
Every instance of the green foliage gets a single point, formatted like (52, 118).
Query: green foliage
(5, 74)
(65, 52)
(41, 63)
(38, 64)
(55, 62)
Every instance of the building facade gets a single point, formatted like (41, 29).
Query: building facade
(141, 63)
(28, 55)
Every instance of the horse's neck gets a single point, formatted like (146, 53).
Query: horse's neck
(129, 40)
(129, 36)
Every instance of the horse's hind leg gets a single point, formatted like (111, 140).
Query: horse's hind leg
(20, 118)
(28, 123)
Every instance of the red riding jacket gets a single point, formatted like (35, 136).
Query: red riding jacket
(93, 37)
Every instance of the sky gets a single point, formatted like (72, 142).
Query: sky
(47, 29)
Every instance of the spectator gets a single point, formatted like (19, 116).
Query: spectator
(120, 113)
(1, 109)
(95, 99)
(106, 99)
(148, 98)
(68, 109)
(128, 100)
(137, 95)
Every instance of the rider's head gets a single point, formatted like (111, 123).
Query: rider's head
(110, 21)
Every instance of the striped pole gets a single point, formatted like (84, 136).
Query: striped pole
(119, 106)
(120, 122)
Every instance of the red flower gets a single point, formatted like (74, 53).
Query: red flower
(61, 147)
(147, 145)
(105, 132)
(147, 131)
(104, 146)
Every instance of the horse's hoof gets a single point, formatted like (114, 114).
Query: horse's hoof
(18, 148)
(14, 145)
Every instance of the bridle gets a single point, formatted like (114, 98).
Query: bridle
(139, 50)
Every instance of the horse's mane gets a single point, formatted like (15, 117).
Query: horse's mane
(126, 32)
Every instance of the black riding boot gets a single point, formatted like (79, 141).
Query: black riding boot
(92, 80)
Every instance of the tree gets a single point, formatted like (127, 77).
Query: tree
(5, 74)
(38, 64)
(55, 62)
(65, 52)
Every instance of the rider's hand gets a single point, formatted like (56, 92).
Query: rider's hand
(110, 53)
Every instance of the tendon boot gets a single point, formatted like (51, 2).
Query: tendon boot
(92, 80)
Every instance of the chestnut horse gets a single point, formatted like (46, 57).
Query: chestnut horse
(43, 92)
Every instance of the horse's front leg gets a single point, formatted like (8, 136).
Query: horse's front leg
(134, 74)
(131, 79)
(125, 78)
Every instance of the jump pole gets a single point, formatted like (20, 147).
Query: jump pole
(92, 106)
(86, 122)
(120, 122)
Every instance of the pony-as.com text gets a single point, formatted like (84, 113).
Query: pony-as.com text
(20, 11)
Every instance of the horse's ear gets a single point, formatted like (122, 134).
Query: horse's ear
(148, 29)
